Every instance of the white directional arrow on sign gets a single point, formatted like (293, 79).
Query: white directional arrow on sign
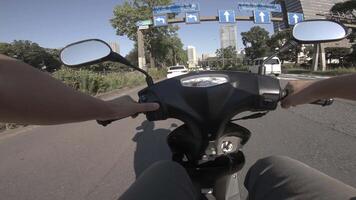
(227, 14)
(161, 19)
(262, 15)
(193, 17)
(295, 18)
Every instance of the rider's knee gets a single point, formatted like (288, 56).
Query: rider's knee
(275, 161)
(168, 167)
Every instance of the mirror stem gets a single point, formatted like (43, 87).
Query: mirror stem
(118, 58)
(286, 47)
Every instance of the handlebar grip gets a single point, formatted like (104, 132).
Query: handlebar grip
(323, 102)
(106, 122)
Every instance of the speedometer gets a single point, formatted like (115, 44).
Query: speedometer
(206, 80)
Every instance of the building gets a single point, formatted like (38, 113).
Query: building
(192, 56)
(207, 55)
(310, 9)
(115, 47)
(228, 36)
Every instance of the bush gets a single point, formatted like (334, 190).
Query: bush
(93, 83)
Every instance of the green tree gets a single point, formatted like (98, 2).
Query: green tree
(339, 53)
(348, 7)
(278, 40)
(344, 7)
(156, 39)
(228, 58)
(255, 41)
(132, 56)
(31, 53)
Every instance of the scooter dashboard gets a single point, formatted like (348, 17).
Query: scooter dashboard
(208, 98)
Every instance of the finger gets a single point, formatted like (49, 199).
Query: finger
(134, 115)
(286, 103)
(146, 107)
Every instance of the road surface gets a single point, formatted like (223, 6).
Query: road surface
(86, 161)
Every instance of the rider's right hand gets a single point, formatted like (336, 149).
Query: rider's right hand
(298, 93)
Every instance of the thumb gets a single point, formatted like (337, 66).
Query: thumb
(146, 107)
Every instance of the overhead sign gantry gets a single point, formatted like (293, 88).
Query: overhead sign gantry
(261, 15)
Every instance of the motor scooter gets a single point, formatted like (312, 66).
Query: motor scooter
(209, 143)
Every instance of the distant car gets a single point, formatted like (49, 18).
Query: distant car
(176, 71)
(272, 67)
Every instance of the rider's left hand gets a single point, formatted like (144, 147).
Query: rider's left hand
(125, 106)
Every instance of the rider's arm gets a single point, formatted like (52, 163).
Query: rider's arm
(29, 96)
(304, 92)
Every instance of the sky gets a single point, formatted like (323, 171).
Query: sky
(54, 24)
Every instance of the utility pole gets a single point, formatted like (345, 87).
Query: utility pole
(141, 50)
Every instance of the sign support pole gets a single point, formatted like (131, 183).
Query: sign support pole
(322, 56)
(141, 50)
(316, 57)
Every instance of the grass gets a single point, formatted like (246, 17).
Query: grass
(95, 83)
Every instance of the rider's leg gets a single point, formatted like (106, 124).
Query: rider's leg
(163, 180)
(280, 177)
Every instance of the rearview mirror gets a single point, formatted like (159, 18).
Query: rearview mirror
(85, 52)
(318, 31)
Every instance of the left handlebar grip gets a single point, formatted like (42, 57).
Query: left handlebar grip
(105, 122)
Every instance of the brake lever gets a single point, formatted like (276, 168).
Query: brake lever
(107, 122)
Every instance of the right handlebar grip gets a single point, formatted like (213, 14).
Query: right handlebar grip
(106, 122)
(323, 102)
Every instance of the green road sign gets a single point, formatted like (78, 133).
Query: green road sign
(144, 22)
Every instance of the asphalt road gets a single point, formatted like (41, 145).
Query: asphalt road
(86, 161)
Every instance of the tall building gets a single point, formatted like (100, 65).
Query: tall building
(207, 55)
(310, 9)
(228, 36)
(115, 47)
(192, 56)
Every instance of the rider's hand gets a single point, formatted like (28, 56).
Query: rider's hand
(298, 93)
(125, 106)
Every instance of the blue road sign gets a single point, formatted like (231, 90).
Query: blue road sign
(259, 6)
(176, 8)
(262, 17)
(227, 16)
(160, 20)
(192, 17)
(294, 18)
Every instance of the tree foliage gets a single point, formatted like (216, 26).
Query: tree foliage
(255, 41)
(228, 58)
(162, 44)
(348, 7)
(279, 39)
(31, 53)
(344, 7)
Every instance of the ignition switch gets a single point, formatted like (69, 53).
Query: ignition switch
(227, 146)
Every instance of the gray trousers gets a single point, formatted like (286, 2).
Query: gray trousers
(271, 178)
